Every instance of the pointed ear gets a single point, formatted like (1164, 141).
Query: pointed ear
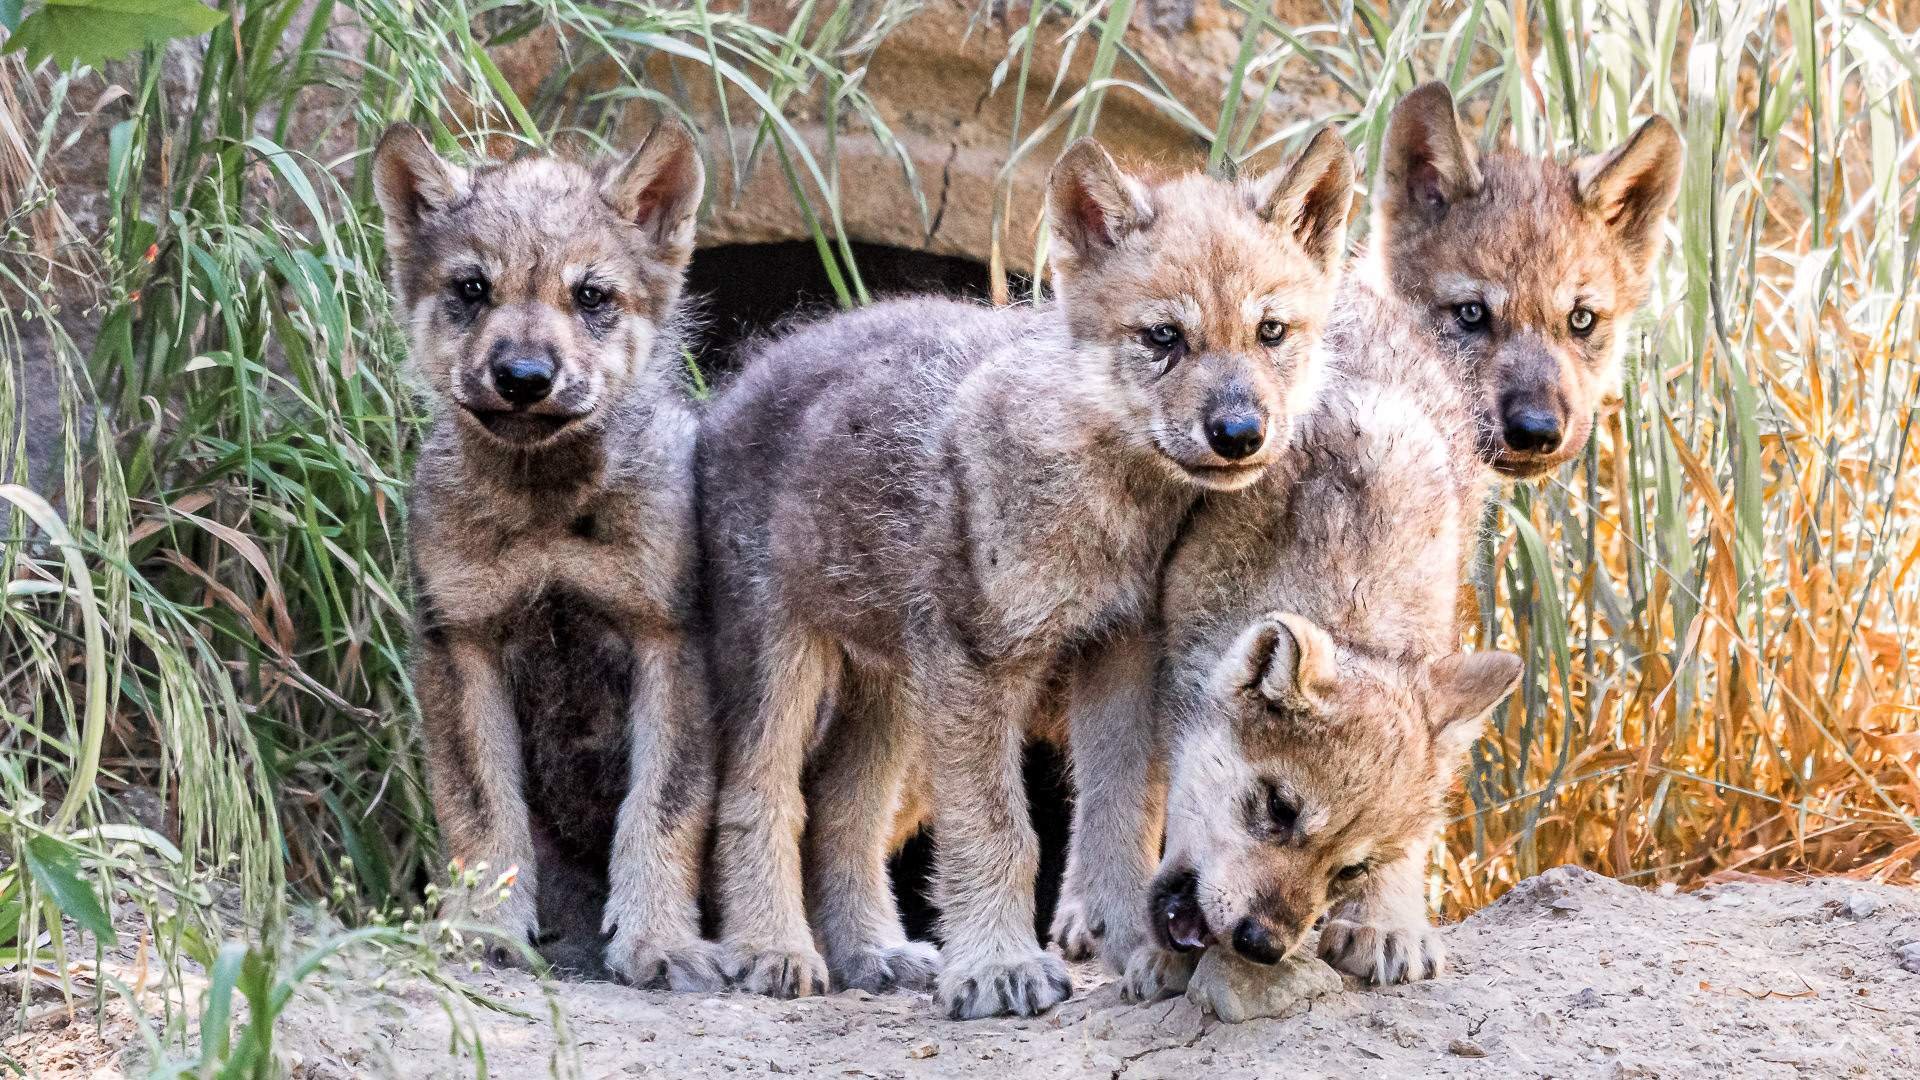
(1427, 164)
(659, 189)
(410, 181)
(1632, 186)
(1463, 689)
(1284, 658)
(1091, 205)
(1312, 198)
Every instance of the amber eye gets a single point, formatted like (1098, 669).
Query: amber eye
(589, 297)
(1272, 332)
(1348, 873)
(1581, 321)
(1472, 314)
(473, 290)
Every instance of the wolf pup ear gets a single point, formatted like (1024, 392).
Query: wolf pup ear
(1284, 658)
(1091, 205)
(1464, 688)
(1427, 165)
(410, 181)
(659, 189)
(1632, 186)
(1311, 199)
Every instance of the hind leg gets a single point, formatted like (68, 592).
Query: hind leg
(853, 799)
(653, 911)
(762, 812)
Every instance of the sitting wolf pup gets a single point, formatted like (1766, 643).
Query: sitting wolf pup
(1526, 270)
(908, 535)
(551, 535)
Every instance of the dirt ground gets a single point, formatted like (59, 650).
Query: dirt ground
(1570, 975)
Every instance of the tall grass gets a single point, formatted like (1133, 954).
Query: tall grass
(1715, 604)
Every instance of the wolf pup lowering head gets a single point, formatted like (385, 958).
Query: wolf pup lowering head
(1332, 760)
(1208, 337)
(1532, 265)
(529, 303)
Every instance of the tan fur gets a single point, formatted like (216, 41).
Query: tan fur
(561, 688)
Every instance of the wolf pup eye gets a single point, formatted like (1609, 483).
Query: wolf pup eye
(1272, 332)
(589, 297)
(1281, 814)
(1581, 321)
(1165, 337)
(474, 290)
(1349, 873)
(1471, 315)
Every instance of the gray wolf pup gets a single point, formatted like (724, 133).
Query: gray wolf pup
(559, 676)
(909, 534)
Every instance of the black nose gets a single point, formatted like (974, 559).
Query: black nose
(1531, 430)
(1251, 940)
(1237, 436)
(523, 378)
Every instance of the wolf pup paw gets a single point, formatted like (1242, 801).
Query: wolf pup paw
(1154, 973)
(695, 966)
(913, 966)
(1026, 986)
(777, 972)
(1075, 929)
(1384, 953)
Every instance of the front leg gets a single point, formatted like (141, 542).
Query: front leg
(474, 771)
(1120, 789)
(1382, 935)
(653, 901)
(985, 850)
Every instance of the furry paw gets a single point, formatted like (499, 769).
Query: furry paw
(913, 966)
(777, 972)
(696, 966)
(1075, 929)
(1008, 987)
(1154, 973)
(1383, 953)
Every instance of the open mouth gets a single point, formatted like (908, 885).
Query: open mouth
(1177, 918)
(520, 427)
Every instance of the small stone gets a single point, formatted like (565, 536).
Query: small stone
(1588, 998)
(1236, 990)
(923, 1051)
(1466, 1048)
(1859, 905)
(1909, 955)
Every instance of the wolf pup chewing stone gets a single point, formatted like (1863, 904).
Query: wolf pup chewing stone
(551, 532)
(909, 535)
(1317, 705)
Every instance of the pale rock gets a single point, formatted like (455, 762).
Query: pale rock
(1235, 990)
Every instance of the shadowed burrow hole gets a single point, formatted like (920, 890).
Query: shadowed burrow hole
(743, 290)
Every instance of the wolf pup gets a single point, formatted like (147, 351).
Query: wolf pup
(551, 534)
(1527, 270)
(1316, 705)
(1533, 267)
(908, 535)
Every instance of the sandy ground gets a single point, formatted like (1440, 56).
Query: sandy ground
(1570, 975)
